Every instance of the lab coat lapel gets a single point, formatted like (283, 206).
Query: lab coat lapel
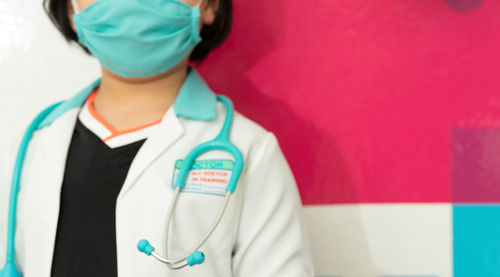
(50, 165)
(169, 130)
(194, 101)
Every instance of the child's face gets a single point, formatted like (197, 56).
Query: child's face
(208, 10)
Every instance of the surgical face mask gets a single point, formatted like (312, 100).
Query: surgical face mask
(138, 38)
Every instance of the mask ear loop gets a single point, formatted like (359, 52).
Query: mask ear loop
(75, 6)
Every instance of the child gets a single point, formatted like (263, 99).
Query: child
(100, 171)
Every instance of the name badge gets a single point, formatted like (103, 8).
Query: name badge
(206, 176)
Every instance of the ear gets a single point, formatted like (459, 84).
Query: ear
(70, 11)
(208, 11)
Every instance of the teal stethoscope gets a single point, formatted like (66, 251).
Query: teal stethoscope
(193, 256)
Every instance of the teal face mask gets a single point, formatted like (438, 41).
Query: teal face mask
(138, 38)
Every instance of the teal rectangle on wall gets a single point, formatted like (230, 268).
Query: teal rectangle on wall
(476, 240)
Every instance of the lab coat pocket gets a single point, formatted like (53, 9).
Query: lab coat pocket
(192, 220)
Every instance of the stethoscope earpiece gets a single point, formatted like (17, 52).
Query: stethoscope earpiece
(145, 247)
(196, 258)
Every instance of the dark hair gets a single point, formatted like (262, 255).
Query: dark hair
(212, 35)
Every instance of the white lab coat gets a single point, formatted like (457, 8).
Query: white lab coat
(260, 234)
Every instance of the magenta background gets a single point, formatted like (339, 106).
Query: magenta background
(363, 95)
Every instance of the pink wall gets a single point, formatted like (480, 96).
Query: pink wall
(363, 95)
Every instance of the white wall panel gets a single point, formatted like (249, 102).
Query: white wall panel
(381, 239)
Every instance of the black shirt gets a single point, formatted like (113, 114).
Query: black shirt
(85, 241)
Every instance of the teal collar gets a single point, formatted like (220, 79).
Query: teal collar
(195, 100)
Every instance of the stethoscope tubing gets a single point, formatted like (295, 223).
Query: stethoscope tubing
(221, 142)
(16, 177)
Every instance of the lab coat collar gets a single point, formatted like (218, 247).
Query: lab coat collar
(195, 100)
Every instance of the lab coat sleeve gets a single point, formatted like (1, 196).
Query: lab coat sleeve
(271, 240)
